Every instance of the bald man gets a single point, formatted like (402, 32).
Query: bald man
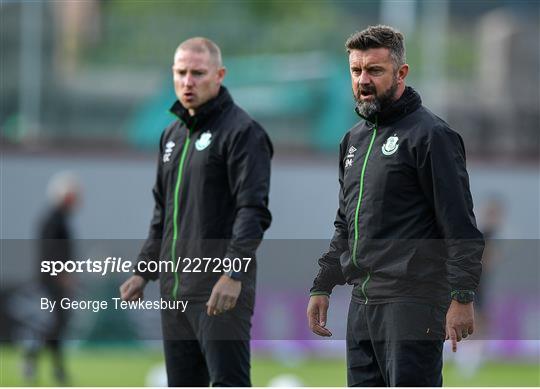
(210, 213)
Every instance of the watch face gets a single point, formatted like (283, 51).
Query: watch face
(464, 297)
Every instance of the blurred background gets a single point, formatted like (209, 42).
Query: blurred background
(86, 85)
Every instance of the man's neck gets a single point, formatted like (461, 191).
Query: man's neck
(399, 92)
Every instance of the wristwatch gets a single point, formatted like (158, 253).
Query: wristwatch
(463, 296)
(233, 274)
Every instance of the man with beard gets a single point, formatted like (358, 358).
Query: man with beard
(405, 233)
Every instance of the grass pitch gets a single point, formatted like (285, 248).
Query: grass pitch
(130, 366)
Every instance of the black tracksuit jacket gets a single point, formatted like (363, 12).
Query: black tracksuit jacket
(211, 196)
(405, 228)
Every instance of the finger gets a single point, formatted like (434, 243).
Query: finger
(321, 331)
(312, 312)
(231, 303)
(128, 293)
(459, 332)
(124, 288)
(314, 319)
(453, 339)
(211, 304)
(220, 303)
(311, 320)
(227, 303)
(322, 316)
(471, 330)
(133, 296)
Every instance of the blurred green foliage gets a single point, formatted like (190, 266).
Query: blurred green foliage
(144, 33)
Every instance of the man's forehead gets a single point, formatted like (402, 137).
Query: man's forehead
(185, 57)
(377, 55)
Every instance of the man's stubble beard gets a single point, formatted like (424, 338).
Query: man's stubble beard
(369, 108)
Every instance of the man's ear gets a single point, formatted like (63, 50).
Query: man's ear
(402, 73)
(221, 73)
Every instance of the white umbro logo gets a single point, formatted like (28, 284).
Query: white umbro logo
(169, 146)
(350, 156)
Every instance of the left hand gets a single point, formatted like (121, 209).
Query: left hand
(459, 322)
(224, 295)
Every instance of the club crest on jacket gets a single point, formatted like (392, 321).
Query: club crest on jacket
(391, 145)
(203, 141)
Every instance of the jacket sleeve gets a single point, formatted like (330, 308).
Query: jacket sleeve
(445, 182)
(152, 246)
(330, 273)
(248, 158)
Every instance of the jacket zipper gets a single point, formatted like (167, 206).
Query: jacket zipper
(176, 211)
(358, 204)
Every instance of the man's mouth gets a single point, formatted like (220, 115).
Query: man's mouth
(189, 95)
(365, 94)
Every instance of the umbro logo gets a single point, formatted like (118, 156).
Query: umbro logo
(169, 146)
(350, 156)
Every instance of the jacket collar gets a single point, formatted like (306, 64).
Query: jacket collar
(205, 111)
(409, 102)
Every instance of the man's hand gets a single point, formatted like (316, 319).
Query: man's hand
(316, 313)
(459, 322)
(132, 289)
(224, 295)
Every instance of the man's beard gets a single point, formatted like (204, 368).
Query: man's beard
(378, 103)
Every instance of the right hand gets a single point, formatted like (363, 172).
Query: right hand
(316, 313)
(132, 289)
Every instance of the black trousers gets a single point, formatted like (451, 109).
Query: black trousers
(202, 350)
(395, 344)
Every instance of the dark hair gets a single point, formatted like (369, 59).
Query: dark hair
(379, 36)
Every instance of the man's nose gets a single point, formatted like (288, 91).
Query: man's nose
(364, 79)
(189, 80)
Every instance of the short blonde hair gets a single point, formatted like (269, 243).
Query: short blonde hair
(202, 45)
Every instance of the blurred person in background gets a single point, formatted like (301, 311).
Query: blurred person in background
(55, 243)
(474, 351)
(211, 200)
(493, 211)
(405, 233)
